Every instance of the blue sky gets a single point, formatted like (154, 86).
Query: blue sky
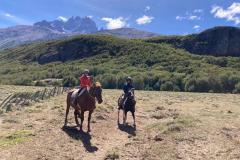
(160, 16)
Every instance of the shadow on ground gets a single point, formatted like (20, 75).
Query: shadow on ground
(80, 135)
(128, 129)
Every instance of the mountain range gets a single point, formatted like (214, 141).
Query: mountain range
(77, 24)
(57, 29)
(217, 41)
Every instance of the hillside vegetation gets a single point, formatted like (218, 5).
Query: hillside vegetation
(153, 66)
(217, 41)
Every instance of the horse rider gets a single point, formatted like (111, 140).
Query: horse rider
(85, 83)
(126, 88)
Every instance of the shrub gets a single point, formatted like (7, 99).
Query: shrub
(40, 83)
(109, 81)
(167, 86)
(237, 88)
(25, 81)
(70, 81)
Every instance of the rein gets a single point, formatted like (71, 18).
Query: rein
(91, 94)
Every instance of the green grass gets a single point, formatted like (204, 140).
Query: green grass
(15, 138)
(33, 110)
(175, 125)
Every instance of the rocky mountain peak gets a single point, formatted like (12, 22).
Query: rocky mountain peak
(72, 25)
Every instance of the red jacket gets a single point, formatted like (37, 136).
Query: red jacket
(85, 81)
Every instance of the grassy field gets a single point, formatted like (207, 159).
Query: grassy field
(170, 125)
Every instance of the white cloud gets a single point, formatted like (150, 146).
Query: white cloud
(90, 16)
(147, 8)
(64, 19)
(114, 23)
(14, 19)
(188, 17)
(194, 18)
(193, 15)
(198, 11)
(232, 13)
(180, 18)
(144, 20)
(8, 15)
(196, 27)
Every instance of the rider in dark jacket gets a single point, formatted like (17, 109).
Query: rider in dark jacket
(128, 85)
(126, 88)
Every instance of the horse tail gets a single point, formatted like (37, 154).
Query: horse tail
(119, 101)
(68, 101)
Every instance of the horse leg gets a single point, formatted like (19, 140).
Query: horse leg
(124, 117)
(76, 113)
(82, 119)
(118, 115)
(67, 111)
(89, 120)
(134, 121)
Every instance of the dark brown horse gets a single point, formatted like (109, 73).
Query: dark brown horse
(128, 105)
(86, 102)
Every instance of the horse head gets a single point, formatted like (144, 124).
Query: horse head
(96, 91)
(131, 94)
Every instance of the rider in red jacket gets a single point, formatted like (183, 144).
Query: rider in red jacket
(85, 80)
(85, 83)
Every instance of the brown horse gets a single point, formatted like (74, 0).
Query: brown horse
(129, 105)
(86, 102)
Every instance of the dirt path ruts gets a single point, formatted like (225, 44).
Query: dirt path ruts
(169, 126)
(52, 141)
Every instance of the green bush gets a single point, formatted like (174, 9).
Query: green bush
(237, 88)
(70, 81)
(167, 86)
(24, 81)
(40, 83)
(110, 60)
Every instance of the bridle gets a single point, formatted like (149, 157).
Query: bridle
(92, 92)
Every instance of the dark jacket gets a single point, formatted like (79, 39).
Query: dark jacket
(127, 87)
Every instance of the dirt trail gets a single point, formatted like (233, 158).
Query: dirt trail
(53, 141)
(0, 122)
(169, 126)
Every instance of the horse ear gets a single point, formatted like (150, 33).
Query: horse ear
(98, 84)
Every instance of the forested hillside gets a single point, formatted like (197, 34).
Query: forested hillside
(110, 60)
(217, 41)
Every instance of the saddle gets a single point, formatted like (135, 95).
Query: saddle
(77, 93)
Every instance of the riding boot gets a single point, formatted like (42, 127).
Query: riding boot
(81, 91)
(124, 101)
